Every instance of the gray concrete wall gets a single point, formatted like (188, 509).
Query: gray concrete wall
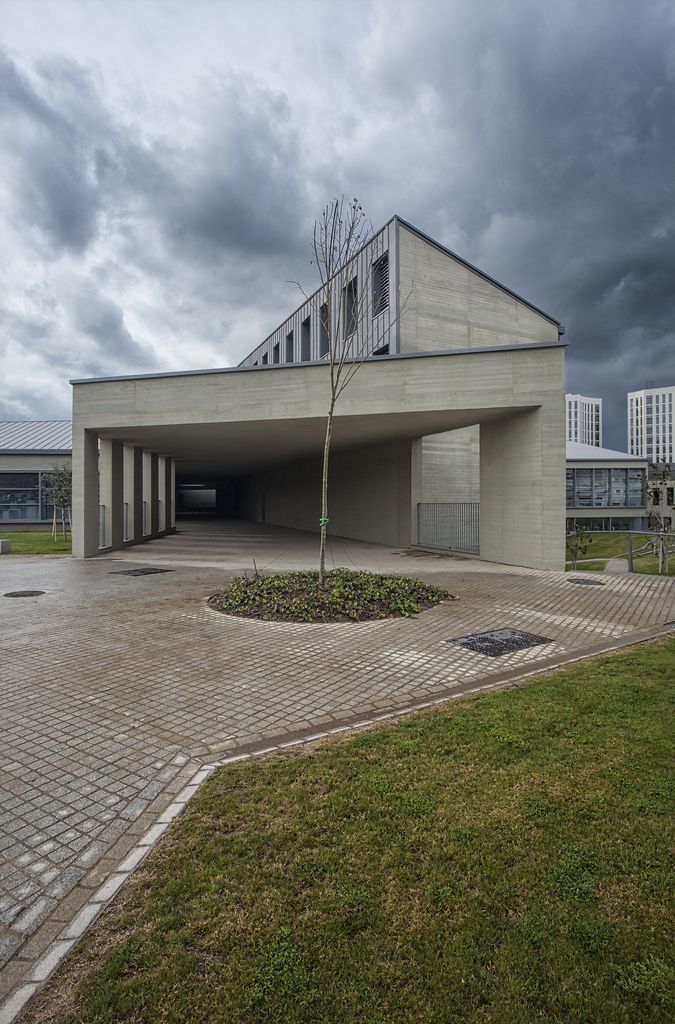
(228, 420)
(451, 466)
(447, 305)
(522, 503)
(32, 463)
(370, 495)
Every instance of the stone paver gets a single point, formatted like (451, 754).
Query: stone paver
(116, 690)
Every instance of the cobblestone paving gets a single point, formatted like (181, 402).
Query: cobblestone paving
(114, 689)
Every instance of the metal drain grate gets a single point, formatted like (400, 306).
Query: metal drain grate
(581, 582)
(139, 572)
(24, 593)
(497, 642)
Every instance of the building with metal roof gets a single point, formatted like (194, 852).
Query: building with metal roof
(29, 451)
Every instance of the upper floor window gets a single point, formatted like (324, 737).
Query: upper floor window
(323, 331)
(381, 284)
(289, 347)
(305, 349)
(350, 307)
(275, 353)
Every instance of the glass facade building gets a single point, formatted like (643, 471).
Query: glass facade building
(25, 497)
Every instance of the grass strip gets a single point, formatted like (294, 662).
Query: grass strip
(503, 860)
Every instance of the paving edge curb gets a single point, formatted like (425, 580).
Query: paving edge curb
(75, 930)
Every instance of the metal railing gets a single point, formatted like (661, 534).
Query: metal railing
(451, 525)
(664, 539)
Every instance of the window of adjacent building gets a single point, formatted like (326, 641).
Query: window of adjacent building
(20, 497)
(601, 488)
(349, 311)
(636, 488)
(383, 351)
(265, 359)
(323, 330)
(584, 488)
(289, 347)
(381, 284)
(618, 487)
(569, 488)
(275, 353)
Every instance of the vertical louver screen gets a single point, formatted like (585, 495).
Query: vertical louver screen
(381, 284)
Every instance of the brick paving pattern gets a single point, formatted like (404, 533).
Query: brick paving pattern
(114, 690)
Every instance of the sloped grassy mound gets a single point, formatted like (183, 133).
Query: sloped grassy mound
(347, 596)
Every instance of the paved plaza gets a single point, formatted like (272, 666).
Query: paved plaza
(116, 690)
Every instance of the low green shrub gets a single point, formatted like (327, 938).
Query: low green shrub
(347, 596)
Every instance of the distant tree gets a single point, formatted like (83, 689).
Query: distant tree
(577, 543)
(660, 487)
(60, 483)
(345, 312)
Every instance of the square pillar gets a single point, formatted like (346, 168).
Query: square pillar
(111, 470)
(128, 495)
(147, 492)
(85, 493)
(161, 492)
(522, 489)
(154, 493)
(169, 515)
(137, 516)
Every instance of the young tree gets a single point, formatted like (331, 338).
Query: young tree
(661, 489)
(577, 542)
(347, 303)
(60, 484)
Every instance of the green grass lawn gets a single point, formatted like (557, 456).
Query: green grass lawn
(34, 543)
(649, 564)
(604, 545)
(503, 860)
(586, 566)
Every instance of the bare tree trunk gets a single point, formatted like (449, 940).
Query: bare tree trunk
(54, 526)
(324, 494)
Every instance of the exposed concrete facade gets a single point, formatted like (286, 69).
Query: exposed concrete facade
(464, 353)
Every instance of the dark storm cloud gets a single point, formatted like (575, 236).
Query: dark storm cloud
(556, 140)
(535, 139)
(100, 319)
(48, 151)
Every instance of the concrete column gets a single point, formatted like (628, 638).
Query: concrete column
(161, 493)
(154, 493)
(128, 495)
(168, 494)
(147, 492)
(85, 492)
(137, 516)
(416, 484)
(111, 474)
(522, 490)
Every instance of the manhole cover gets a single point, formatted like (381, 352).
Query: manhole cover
(24, 593)
(581, 582)
(499, 641)
(139, 572)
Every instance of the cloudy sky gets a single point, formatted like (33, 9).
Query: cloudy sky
(163, 161)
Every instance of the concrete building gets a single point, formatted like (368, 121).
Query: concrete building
(605, 489)
(584, 419)
(650, 424)
(449, 348)
(29, 450)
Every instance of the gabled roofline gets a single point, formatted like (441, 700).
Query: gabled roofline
(476, 270)
(441, 248)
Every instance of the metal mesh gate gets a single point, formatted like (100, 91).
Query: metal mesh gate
(449, 524)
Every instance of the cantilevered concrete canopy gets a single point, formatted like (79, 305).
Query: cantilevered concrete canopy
(264, 426)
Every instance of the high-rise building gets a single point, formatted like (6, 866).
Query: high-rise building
(584, 419)
(650, 424)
